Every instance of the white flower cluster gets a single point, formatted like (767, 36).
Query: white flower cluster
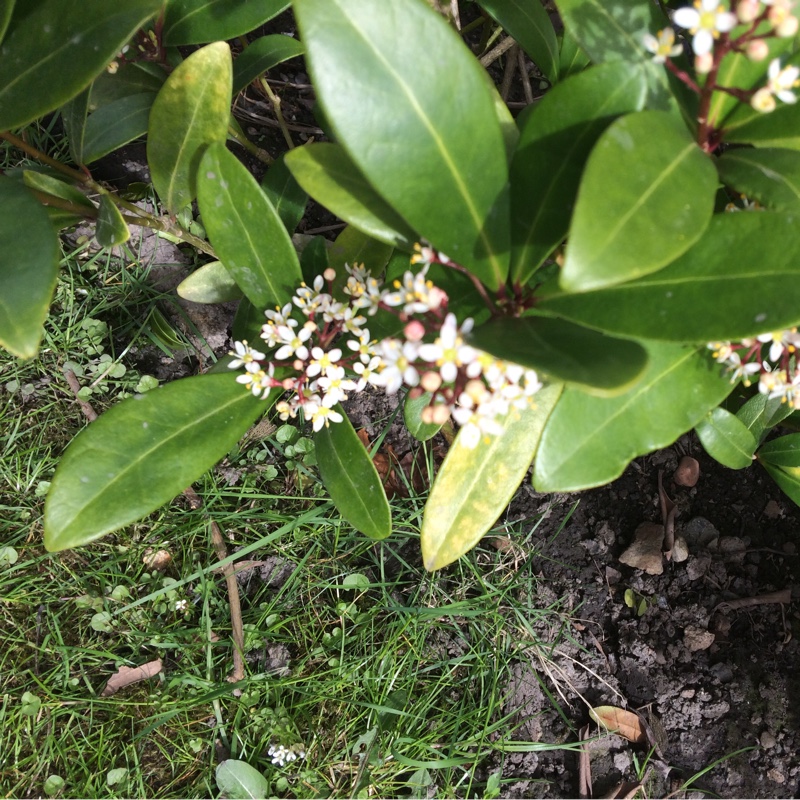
(281, 756)
(778, 373)
(469, 384)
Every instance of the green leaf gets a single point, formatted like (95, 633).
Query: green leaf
(412, 415)
(611, 29)
(245, 229)
(116, 124)
(247, 322)
(572, 58)
(588, 441)
(28, 268)
(554, 144)
(237, 780)
(328, 174)
(474, 485)
(189, 113)
(432, 148)
(351, 479)
(781, 459)
(6, 7)
(129, 79)
(769, 175)
(211, 283)
(48, 184)
(726, 439)
(111, 227)
(564, 352)
(780, 128)
(200, 21)
(141, 453)
(761, 413)
(739, 280)
(285, 193)
(314, 258)
(261, 55)
(530, 26)
(54, 48)
(73, 114)
(658, 204)
(354, 247)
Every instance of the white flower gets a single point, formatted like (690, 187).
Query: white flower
(244, 355)
(293, 341)
(364, 346)
(257, 380)
(320, 415)
(181, 605)
(335, 386)
(415, 293)
(780, 341)
(663, 46)
(367, 372)
(773, 382)
(322, 361)
(397, 360)
(781, 81)
(449, 352)
(705, 21)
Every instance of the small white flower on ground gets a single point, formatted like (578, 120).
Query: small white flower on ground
(181, 605)
(662, 46)
(705, 20)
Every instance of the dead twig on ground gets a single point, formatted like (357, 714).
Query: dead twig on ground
(86, 408)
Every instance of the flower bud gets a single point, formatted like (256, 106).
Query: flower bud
(430, 381)
(757, 50)
(748, 10)
(415, 393)
(329, 274)
(288, 383)
(298, 365)
(703, 63)
(437, 298)
(440, 414)
(414, 331)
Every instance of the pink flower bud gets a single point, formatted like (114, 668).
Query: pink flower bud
(329, 274)
(757, 50)
(703, 63)
(437, 298)
(430, 381)
(748, 10)
(787, 28)
(414, 331)
(288, 383)
(298, 365)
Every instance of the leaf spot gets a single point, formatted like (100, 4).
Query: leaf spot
(212, 176)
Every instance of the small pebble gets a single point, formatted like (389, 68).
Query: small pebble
(680, 550)
(688, 472)
(696, 638)
(767, 740)
(776, 775)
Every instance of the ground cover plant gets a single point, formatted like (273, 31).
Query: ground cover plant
(619, 258)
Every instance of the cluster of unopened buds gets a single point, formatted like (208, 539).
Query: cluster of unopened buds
(281, 756)
(776, 370)
(327, 354)
(709, 22)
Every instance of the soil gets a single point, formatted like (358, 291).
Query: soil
(708, 679)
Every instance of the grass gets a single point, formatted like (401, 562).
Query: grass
(393, 681)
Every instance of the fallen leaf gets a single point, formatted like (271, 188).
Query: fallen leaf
(158, 560)
(668, 511)
(584, 765)
(645, 552)
(125, 676)
(617, 720)
(623, 791)
(696, 638)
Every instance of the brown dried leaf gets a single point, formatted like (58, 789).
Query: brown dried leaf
(618, 720)
(584, 765)
(668, 511)
(623, 791)
(125, 676)
(645, 552)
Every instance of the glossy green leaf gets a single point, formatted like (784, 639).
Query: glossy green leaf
(611, 29)
(54, 48)
(564, 352)
(328, 174)
(285, 193)
(189, 113)
(658, 204)
(572, 58)
(141, 453)
(28, 268)
(780, 128)
(261, 55)
(588, 441)
(314, 258)
(354, 247)
(73, 115)
(761, 413)
(116, 124)
(769, 175)
(782, 452)
(111, 227)
(200, 21)
(48, 184)
(742, 278)
(237, 780)
(787, 478)
(211, 283)
(555, 142)
(351, 478)
(129, 79)
(412, 415)
(726, 439)
(247, 322)
(475, 484)
(432, 148)
(6, 7)
(247, 234)
(530, 26)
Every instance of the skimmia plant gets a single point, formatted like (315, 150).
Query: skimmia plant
(622, 259)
